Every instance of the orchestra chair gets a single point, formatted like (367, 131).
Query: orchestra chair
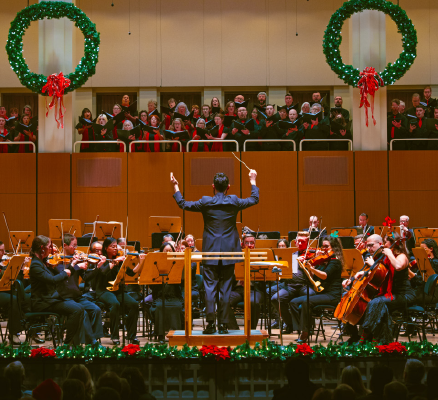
(327, 313)
(35, 322)
(418, 316)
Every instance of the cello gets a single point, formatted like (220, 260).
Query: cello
(353, 305)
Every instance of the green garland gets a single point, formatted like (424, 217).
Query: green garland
(333, 39)
(52, 9)
(266, 351)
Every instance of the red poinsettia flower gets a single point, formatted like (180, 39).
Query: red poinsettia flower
(220, 353)
(391, 348)
(304, 349)
(131, 349)
(42, 352)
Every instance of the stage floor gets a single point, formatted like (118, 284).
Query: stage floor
(331, 333)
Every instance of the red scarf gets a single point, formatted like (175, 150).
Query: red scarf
(4, 148)
(218, 146)
(196, 145)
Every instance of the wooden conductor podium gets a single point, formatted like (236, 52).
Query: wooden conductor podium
(234, 338)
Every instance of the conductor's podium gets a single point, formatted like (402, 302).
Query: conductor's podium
(249, 259)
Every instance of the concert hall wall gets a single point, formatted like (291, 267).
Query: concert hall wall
(336, 186)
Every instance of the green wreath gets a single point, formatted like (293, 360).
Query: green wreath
(52, 9)
(333, 39)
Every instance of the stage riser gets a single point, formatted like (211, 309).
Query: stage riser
(213, 380)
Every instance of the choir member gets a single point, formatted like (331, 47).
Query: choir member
(415, 104)
(269, 129)
(288, 99)
(126, 103)
(282, 112)
(338, 104)
(339, 129)
(86, 131)
(329, 275)
(216, 105)
(3, 112)
(27, 110)
(44, 294)
(173, 302)
(152, 106)
(13, 112)
(221, 135)
(292, 133)
(230, 109)
(396, 126)
(5, 137)
(402, 108)
(237, 292)
(29, 135)
(168, 119)
(116, 301)
(196, 110)
(261, 97)
(104, 135)
(418, 129)
(316, 129)
(117, 109)
(178, 126)
(206, 112)
(154, 122)
(239, 98)
(305, 108)
(243, 134)
(199, 147)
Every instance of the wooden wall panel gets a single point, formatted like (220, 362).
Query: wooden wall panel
(413, 170)
(52, 205)
(20, 210)
(418, 205)
(323, 174)
(335, 207)
(371, 170)
(150, 192)
(54, 173)
(20, 173)
(122, 188)
(109, 207)
(374, 203)
(193, 222)
(277, 180)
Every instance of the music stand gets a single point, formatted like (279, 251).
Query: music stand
(425, 233)
(285, 255)
(108, 229)
(23, 238)
(353, 262)
(423, 263)
(72, 226)
(158, 270)
(345, 231)
(163, 225)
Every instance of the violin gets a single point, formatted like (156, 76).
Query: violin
(58, 258)
(320, 258)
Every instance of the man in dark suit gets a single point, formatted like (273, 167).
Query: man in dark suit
(363, 224)
(220, 234)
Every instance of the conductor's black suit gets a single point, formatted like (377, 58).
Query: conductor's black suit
(220, 234)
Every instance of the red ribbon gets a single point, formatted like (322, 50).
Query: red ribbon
(55, 86)
(369, 84)
(389, 222)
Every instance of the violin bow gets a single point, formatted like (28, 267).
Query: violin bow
(92, 235)
(320, 223)
(363, 237)
(9, 234)
(62, 241)
(177, 239)
(126, 237)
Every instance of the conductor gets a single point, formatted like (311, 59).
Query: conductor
(220, 234)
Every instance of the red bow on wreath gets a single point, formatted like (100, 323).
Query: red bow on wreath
(369, 84)
(55, 86)
(389, 222)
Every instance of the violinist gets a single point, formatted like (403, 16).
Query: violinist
(296, 287)
(14, 325)
(68, 289)
(113, 299)
(44, 296)
(327, 269)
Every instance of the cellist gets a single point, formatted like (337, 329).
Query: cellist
(394, 293)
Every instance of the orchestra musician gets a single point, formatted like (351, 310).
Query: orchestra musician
(113, 299)
(237, 291)
(407, 233)
(363, 224)
(44, 295)
(220, 234)
(329, 275)
(395, 292)
(68, 289)
(295, 287)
